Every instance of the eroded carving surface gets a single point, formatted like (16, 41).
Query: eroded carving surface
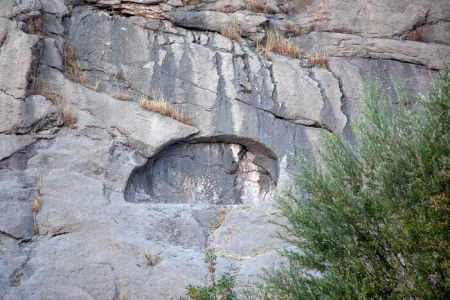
(215, 173)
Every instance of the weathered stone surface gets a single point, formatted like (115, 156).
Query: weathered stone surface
(11, 8)
(16, 192)
(9, 112)
(16, 60)
(352, 73)
(140, 128)
(56, 7)
(215, 21)
(32, 114)
(52, 25)
(433, 56)
(10, 143)
(215, 89)
(215, 173)
(12, 257)
(37, 114)
(52, 54)
(205, 185)
(382, 18)
(437, 33)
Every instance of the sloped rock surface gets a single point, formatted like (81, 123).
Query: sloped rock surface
(123, 183)
(383, 18)
(433, 56)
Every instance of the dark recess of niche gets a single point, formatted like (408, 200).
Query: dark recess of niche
(207, 171)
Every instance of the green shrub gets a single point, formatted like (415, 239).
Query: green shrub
(221, 289)
(373, 223)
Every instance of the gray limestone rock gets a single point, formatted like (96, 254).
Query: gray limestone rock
(215, 21)
(433, 56)
(383, 18)
(16, 8)
(17, 58)
(124, 184)
(11, 143)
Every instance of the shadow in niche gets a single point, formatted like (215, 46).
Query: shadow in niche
(206, 171)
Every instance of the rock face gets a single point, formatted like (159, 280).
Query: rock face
(215, 173)
(123, 183)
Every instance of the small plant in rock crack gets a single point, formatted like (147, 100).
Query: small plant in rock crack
(122, 295)
(152, 259)
(33, 25)
(36, 204)
(221, 289)
(121, 96)
(69, 118)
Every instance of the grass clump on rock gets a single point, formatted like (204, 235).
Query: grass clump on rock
(259, 7)
(318, 59)
(71, 68)
(373, 223)
(161, 106)
(231, 31)
(278, 43)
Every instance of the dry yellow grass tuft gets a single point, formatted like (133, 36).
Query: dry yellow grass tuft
(221, 215)
(152, 259)
(260, 48)
(260, 7)
(69, 117)
(245, 207)
(291, 28)
(225, 7)
(283, 6)
(318, 59)
(231, 31)
(71, 68)
(278, 43)
(121, 96)
(192, 2)
(161, 106)
(33, 134)
(122, 295)
(94, 87)
(36, 230)
(117, 74)
(40, 88)
(39, 185)
(33, 25)
(37, 202)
